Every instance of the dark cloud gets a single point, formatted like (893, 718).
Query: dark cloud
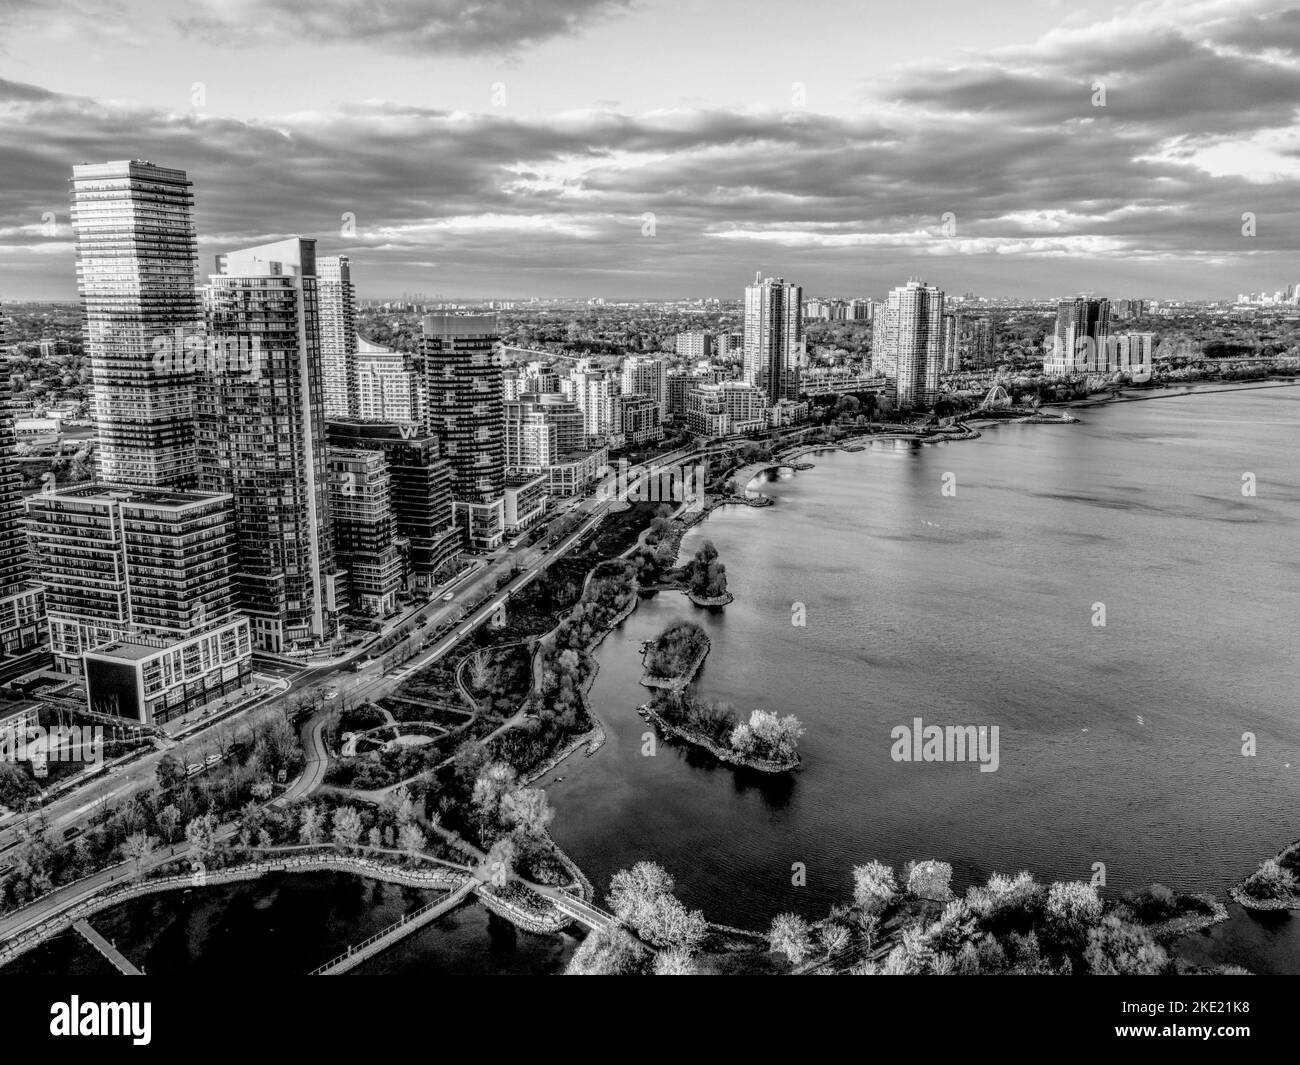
(1046, 188)
(408, 26)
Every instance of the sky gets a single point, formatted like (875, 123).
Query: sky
(674, 148)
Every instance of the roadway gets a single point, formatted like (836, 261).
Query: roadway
(373, 681)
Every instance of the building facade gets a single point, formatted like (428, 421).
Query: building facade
(1079, 343)
(22, 604)
(368, 551)
(911, 353)
(464, 408)
(128, 572)
(419, 491)
(137, 260)
(262, 440)
(774, 337)
(646, 375)
(338, 335)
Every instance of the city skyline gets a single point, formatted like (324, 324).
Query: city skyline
(1072, 152)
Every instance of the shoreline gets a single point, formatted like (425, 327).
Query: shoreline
(675, 684)
(694, 739)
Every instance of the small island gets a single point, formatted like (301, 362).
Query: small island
(675, 656)
(706, 578)
(766, 743)
(1275, 885)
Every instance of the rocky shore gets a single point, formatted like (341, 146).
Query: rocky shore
(722, 754)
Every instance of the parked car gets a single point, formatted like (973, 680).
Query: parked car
(212, 759)
(193, 768)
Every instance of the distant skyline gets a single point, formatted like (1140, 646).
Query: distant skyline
(518, 150)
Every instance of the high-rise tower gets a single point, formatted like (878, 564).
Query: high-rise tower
(137, 256)
(464, 407)
(912, 342)
(338, 336)
(773, 337)
(262, 439)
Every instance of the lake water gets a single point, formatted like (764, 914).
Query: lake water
(1119, 744)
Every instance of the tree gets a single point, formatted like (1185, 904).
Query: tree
(834, 938)
(1270, 881)
(930, 880)
(790, 936)
(311, 826)
(137, 847)
(1075, 906)
(642, 898)
(608, 951)
(675, 962)
(411, 837)
(874, 886)
(201, 834)
(347, 827)
(170, 771)
(768, 737)
(526, 810)
(1120, 948)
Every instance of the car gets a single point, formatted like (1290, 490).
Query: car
(212, 759)
(449, 597)
(71, 833)
(333, 693)
(193, 768)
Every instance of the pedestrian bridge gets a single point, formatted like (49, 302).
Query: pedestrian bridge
(592, 916)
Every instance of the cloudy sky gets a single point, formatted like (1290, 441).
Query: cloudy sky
(667, 148)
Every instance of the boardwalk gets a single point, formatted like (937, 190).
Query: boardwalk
(119, 960)
(381, 941)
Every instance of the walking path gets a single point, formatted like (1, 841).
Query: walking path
(119, 960)
(381, 941)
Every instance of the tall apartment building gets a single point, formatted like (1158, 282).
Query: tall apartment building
(338, 335)
(1131, 353)
(773, 337)
(140, 592)
(910, 352)
(953, 324)
(636, 421)
(694, 346)
(464, 409)
(262, 440)
(137, 257)
(729, 346)
(22, 605)
(1079, 342)
(647, 375)
(539, 431)
(419, 491)
(726, 407)
(861, 310)
(981, 344)
(366, 543)
(387, 388)
(593, 391)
